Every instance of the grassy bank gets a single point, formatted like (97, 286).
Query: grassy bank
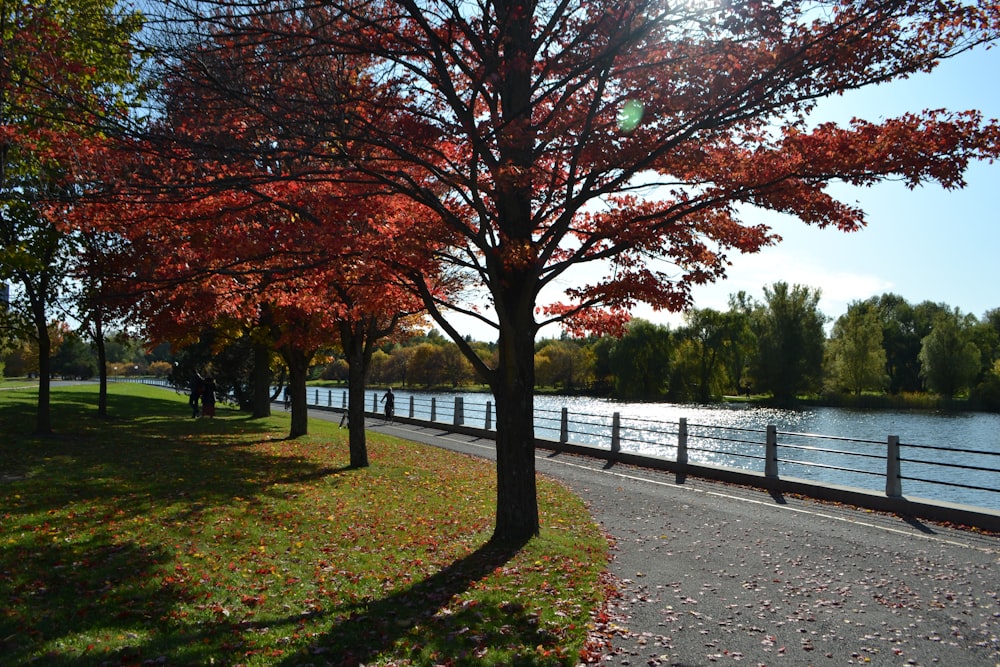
(159, 539)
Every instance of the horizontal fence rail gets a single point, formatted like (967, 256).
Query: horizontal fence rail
(824, 459)
(930, 471)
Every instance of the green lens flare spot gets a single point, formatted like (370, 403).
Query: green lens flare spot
(630, 116)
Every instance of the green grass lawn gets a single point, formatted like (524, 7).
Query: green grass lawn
(154, 538)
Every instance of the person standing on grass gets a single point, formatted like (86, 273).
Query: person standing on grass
(197, 388)
(208, 398)
(390, 404)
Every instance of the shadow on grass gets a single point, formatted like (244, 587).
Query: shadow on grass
(417, 623)
(92, 586)
(146, 454)
(73, 565)
(82, 557)
(100, 590)
(74, 409)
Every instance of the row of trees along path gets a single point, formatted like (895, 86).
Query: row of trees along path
(298, 172)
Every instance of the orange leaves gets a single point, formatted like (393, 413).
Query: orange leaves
(309, 150)
(933, 145)
(518, 255)
(581, 323)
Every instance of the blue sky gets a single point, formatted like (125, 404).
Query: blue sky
(927, 244)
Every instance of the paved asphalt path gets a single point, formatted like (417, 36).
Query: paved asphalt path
(711, 573)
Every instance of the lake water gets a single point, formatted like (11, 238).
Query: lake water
(832, 445)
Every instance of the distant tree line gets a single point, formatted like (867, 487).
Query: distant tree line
(777, 348)
(76, 358)
(774, 349)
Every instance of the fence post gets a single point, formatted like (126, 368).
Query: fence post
(317, 398)
(682, 441)
(434, 411)
(343, 400)
(893, 482)
(616, 427)
(771, 452)
(564, 426)
(411, 406)
(489, 415)
(375, 402)
(329, 398)
(459, 411)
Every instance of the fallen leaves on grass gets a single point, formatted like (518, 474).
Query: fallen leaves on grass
(154, 542)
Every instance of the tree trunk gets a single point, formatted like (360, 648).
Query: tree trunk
(43, 418)
(514, 279)
(514, 391)
(260, 381)
(358, 355)
(102, 367)
(43, 421)
(356, 414)
(298, 369)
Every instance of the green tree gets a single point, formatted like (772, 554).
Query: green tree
(336, 368)
(600, 347)
(986, 335)
(856, 357)
(563, 363)
(426, 365)
(742, 347)
(20, 359)
(903, 328)
(384, 368)
(900, 342)
(640, 361)
(715, 338)
(456, 368)
(683, 385)
(74, 358)
(949, 359)
(987, 392)
(35, 255)
(65, 67)
(790, 342)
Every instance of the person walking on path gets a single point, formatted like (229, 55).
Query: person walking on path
(390, 404)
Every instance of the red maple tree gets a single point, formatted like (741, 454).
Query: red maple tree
(604, 149)
(237, 215)
(623, 137)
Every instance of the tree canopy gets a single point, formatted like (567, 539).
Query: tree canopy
(66, 68)
(564, 161)
(856, 353)
(948, 356)
(790, 340)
